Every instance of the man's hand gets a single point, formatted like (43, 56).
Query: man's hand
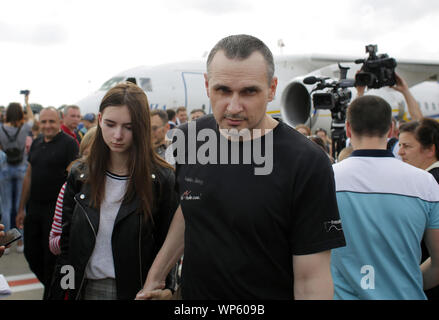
(360, 89)
(158, 294)
(400, 85)
(412, 105)
(2, 234)
(19, 220)
(151, 290)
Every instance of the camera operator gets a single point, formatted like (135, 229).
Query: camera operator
(334, 96)
(28, 113)
(412, 107)
(401, 86)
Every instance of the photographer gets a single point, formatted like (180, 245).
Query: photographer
(412, 107)
(28, 113)
(401, 86)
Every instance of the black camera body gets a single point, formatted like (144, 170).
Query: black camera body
(377, 71)
(330, 100)
(25, 92)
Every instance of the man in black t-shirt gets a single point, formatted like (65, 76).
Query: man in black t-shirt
(258, 213)
(49, 157)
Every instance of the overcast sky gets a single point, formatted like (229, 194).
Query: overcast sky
(63, 49)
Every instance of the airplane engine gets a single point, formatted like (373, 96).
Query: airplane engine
(296, 103)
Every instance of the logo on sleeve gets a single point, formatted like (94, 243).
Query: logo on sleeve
(333, 225)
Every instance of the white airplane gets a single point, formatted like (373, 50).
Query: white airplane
(182, 84)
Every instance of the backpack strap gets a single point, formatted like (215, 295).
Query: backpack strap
(15, 135)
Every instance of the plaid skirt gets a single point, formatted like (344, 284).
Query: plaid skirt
(103, 289)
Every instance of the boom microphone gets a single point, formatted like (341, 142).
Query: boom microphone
(310, 80)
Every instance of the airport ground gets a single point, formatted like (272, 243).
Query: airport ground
(23, 283)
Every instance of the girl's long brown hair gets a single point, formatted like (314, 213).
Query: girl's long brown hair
(143, 158)
(14, 114)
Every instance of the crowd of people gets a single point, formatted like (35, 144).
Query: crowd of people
(98, 193)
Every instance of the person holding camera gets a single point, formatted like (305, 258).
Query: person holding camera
(412, 107)
(401, 86)
(13, 136)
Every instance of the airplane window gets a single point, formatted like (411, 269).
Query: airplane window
(145, 84)
(133, 80)
(434, 106)
(111, 83)
(426, 106)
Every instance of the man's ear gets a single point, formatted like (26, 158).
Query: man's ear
(273, 86)
(390, 133)
(431, 151)
(348, 130)
(206, 84)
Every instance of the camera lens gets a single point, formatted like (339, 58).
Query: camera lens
(365, 79)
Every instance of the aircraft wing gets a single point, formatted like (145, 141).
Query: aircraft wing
(413, 71)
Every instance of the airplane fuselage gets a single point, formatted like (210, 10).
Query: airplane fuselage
(182, 84)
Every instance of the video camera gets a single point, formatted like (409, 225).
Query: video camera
(377, 71)
(336, 94)
(335, 97)
(25, 92)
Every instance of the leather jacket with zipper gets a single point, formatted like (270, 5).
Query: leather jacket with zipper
(135, 241)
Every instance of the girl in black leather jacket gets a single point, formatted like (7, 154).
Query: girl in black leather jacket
(118, 205)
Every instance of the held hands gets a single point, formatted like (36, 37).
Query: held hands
(158, 294)
(154, 291)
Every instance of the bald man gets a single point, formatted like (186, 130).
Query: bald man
(49, 157)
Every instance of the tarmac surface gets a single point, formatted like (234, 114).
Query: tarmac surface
(23, 283)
